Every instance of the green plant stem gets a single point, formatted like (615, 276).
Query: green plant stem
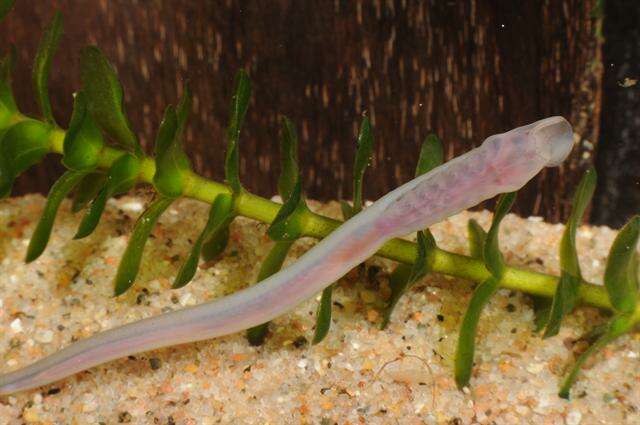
(318, 226)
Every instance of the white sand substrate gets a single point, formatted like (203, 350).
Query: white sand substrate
(358, 375)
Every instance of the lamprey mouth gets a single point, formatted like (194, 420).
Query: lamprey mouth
(553, 139)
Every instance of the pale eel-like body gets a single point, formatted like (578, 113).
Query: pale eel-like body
(503, 163)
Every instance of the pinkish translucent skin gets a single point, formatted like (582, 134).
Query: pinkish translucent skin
(503, 163)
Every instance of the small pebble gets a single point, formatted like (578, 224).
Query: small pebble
(30, 416)
(300, 342)
(574, 417)
(44, 337)
(155, 363)
(89, 406)
(535, 368)
(132, 206)
(187, 299)
(124, 417)
(16, 326)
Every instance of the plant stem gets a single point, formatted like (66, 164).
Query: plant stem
(318, 226)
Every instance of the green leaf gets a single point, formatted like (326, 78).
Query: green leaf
(290, 173)
(121, 177)
(618, 326)
(564, 300)
(431, 155)
(184, 109)
(87, 190)
(426, 246)
(271, 265)
(6, 109)
(171, 162)
(167, 131)
(541, 311)
(130, 262)
(105, 99)
(621, 272)
(402, 279)
(7, 104)
(346, 210)
(83, 141)
(216, 241)
(7, 176)
(566, 294)
(257, 334)
(289, 187)
(568, 254)
(93, 214)
(58, 192)
(466, 341)
(220, 215)
(289, 222)
(239, 105)
(491, 253)
(477, 237)
(215, 245)
(123, 174)
(362, 160)
(323, 315)
(23, 145)
(5, 7)
(597, 12)
(495, 264)
(398, 280)
(7, 63)
(46, 50)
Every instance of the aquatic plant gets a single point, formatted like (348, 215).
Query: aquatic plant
(104, 158)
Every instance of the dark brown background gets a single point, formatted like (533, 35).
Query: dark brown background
(462, 69)
(618, 156)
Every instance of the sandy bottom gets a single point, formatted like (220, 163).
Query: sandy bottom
(359, 374)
